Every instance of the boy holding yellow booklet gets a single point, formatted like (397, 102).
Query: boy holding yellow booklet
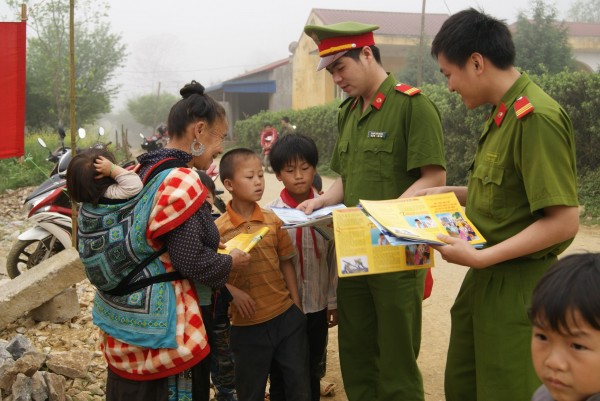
(268, 325)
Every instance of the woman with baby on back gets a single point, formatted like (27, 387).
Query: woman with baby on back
(154, 339)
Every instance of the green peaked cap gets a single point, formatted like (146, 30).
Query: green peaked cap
(348, 28)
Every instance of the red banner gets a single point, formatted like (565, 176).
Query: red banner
(12, 92)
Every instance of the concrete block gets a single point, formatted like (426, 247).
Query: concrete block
(39, 285)
(59, 309)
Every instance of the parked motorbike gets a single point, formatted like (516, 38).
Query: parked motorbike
(156, 141)
(49, 207)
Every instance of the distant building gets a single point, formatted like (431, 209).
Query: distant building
(265, 88)
(584, 39)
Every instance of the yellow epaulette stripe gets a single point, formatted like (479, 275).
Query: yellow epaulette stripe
(524, 109)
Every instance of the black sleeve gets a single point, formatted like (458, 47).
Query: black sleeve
(192, 248)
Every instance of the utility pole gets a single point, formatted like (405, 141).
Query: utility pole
(421, 47)
(154, 124)
(72, 109)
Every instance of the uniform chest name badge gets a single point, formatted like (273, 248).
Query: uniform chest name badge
(375, 134)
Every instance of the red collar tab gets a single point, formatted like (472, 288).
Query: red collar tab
(500, 114)
(344, 43)
(523, 107)
(407, 89)
(291, 202)
(354, 104)
(378, 101)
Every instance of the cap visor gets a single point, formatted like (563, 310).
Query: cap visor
(327, 60)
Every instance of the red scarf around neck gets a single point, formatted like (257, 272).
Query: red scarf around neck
(291, 202)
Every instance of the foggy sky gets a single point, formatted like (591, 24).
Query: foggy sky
(173, 42)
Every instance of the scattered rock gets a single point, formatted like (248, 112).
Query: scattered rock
(73, 364)
(30, 363)
(39, 388)
(18, 346)
(21, 389)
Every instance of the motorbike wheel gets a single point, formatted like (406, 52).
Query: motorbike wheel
(26, 254)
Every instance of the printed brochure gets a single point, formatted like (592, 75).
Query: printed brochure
(421, 218)
(361, 248)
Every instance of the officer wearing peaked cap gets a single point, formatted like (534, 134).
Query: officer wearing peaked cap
(389, 145)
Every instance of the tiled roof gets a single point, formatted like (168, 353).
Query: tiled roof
(267, 67)
(390, 23)
(583, 29)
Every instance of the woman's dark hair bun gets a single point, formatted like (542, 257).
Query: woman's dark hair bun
(191, 88)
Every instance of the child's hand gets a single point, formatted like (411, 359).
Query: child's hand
(240, 258)
(332, 317)
(103, 166)
(242, 302)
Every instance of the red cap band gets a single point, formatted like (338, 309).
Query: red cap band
(341, 43)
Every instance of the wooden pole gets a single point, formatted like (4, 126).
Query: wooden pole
(421, 42)
(72, 109)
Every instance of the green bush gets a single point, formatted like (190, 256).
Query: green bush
(589, 195)
(579, 94)
(462, 129)
(33, 169)
(320, 123)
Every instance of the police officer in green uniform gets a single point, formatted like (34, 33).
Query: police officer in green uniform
(390, 144)
(521, 195)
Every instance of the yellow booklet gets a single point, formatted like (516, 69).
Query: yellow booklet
(421, 218)
(361, 249)
(244, 242)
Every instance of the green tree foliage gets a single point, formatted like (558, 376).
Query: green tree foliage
(542, 42)
(431, 71)
(150, 110)
(98, 53)
(585, 11)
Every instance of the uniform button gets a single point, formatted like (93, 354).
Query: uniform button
(247, 227)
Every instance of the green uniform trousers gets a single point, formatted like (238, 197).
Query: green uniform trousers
(380, 336)
(489, 357)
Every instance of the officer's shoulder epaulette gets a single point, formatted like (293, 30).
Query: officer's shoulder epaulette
(407, 89)
(522, 107)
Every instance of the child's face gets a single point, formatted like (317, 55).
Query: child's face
(210, 198)
(297, 177)
(568, 365)
(248, 183)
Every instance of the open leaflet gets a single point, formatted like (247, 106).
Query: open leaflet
(421, 218)
(321, 219)
(361, 248)
(244, 242)
(297, 218)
